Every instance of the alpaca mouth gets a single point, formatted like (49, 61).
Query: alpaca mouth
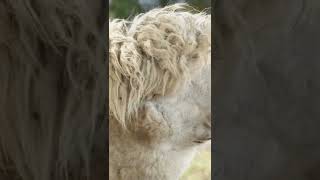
(200, 141)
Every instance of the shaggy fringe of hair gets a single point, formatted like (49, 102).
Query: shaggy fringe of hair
(153, 55)
(52, 87)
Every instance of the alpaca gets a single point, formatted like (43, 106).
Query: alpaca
(159, 92)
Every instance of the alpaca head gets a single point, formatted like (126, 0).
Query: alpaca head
(160, 80)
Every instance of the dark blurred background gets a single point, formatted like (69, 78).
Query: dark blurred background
(129, 8)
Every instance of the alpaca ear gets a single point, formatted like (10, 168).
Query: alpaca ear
(151, 125)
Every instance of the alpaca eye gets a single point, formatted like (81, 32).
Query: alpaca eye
(155, 96)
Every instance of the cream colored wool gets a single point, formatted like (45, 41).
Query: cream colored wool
(158, 62)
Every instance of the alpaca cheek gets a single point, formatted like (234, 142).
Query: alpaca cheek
(151, 126)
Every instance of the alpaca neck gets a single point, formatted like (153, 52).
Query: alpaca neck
(132, 161)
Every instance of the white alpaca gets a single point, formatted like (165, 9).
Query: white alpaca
(159, 93)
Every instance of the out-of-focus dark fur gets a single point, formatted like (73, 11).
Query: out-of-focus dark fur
(53, 89)
(266, 90)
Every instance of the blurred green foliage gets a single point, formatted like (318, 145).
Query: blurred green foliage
(124, 8)
(128, 8)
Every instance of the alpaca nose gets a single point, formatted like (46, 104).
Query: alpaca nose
(208, 121)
